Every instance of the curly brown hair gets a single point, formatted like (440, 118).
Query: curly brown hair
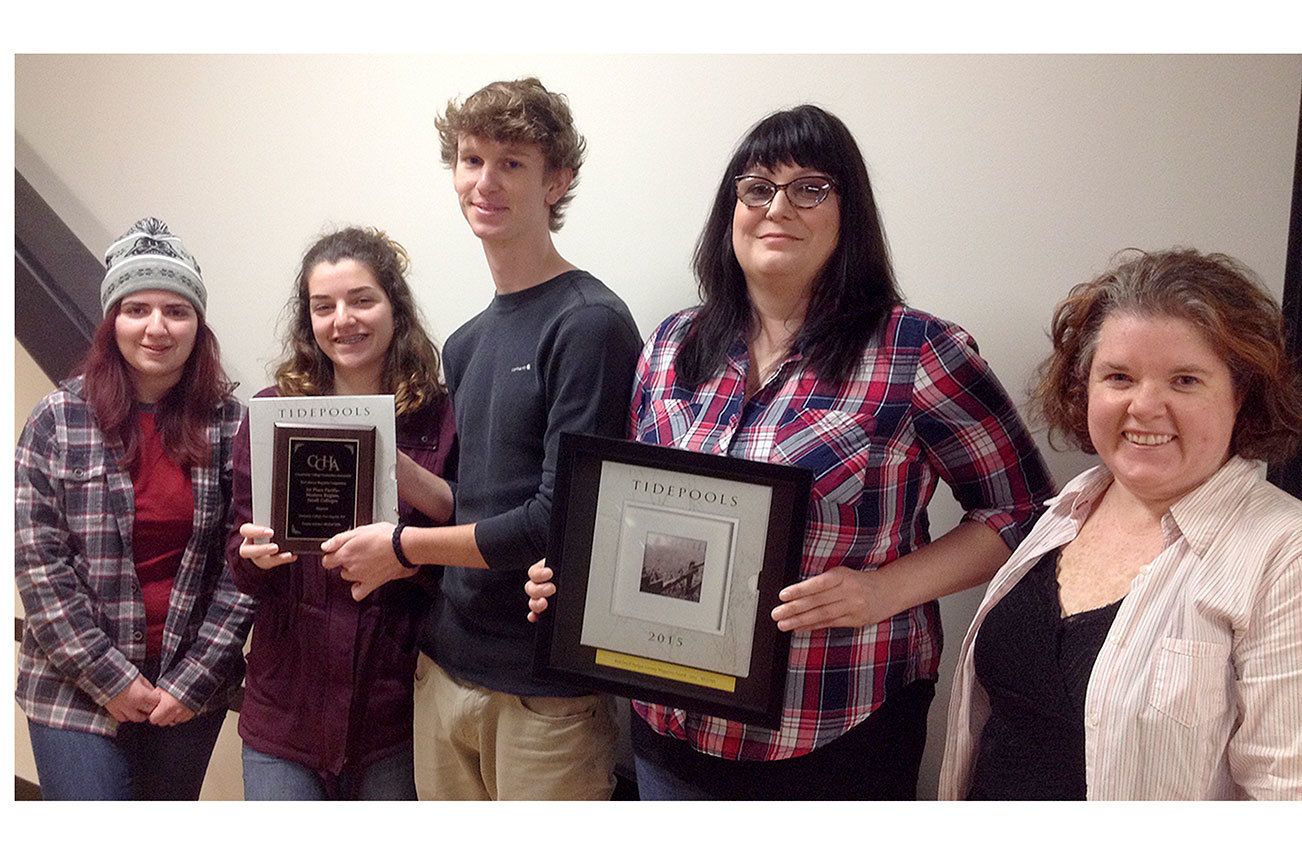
(518, 111)
(1220, 297)
(411, 367)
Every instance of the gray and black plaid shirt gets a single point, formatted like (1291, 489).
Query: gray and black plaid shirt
(84, 636)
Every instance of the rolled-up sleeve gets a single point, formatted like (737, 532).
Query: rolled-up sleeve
(974, 437)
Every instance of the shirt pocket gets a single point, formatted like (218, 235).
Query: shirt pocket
(422, 448)
(86, 502)
(1189, 680)
(78, 470)
(666, 421)
(834, 445)
(94, 541)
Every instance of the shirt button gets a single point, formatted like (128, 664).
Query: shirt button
(78, 473)
(137, 635)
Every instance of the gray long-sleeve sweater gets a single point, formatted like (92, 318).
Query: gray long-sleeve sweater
(559, 356)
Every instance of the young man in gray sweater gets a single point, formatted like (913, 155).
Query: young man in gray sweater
(554, 351)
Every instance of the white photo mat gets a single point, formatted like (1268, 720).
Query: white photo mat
(714, 632)
(707, 613)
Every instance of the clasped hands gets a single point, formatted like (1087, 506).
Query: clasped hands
(141, 701)
(840, 597)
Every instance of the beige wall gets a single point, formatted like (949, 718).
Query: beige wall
(1002, 180)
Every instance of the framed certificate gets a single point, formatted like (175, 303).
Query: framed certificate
(667, 566)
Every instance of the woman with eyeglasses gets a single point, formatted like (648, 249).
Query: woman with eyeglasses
(803, 353)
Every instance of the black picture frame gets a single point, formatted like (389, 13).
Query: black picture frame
(689, 513)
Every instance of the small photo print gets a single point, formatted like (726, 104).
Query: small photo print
(673, 566)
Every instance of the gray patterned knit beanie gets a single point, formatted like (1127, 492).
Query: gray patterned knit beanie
(149, 256)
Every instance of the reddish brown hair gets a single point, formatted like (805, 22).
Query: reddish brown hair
(1216, 294)
(183, 413)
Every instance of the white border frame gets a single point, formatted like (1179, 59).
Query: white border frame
(707, 615)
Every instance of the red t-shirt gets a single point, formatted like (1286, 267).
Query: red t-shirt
(164, 520)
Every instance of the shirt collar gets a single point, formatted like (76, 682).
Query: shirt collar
(738, 357)
(1077, 498)
(1198, 516)
(75, 385)
(1202, 513)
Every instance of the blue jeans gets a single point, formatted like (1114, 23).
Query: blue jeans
(657, 784)
(142, 761)
(273, 779)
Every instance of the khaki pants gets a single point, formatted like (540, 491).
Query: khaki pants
(474, 743)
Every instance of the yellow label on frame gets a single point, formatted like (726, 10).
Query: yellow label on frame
(661, 669)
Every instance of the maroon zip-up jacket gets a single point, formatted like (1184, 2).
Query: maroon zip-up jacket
(329, 680)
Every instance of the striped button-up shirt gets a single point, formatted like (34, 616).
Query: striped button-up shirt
(1197, 691)
(84, 633)
(922, 406)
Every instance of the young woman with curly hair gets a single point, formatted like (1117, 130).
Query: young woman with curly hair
(327, 710)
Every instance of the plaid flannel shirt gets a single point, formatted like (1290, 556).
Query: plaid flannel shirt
(922, 406)
(84, 634)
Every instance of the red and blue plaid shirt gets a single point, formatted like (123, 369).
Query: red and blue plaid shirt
(922, 406)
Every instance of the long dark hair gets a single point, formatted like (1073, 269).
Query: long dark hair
(412, 365)
(183, 414)
(856, 288)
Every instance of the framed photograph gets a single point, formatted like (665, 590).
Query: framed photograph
(667, 566)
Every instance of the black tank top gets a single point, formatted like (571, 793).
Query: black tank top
(1035, 666)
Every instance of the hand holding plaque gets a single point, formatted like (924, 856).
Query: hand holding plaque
(323, 482)
(320, 465)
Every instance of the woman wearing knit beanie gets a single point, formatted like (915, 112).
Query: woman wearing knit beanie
(134, 630)
(327, 710)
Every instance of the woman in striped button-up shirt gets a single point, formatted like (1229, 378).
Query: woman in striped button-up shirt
(1145, 641)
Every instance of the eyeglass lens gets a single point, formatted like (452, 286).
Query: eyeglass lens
(807, 192)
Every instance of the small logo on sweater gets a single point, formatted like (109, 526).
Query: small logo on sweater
(525, 367)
